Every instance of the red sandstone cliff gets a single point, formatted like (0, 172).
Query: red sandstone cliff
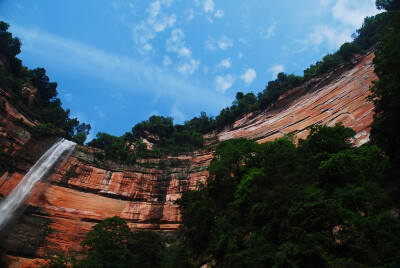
(82, 192)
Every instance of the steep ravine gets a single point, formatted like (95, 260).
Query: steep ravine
(82, 191)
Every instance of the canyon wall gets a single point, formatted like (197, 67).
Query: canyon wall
(83, 191)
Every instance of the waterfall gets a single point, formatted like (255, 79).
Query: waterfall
(35, 174)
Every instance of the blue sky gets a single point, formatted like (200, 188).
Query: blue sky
(119, 62)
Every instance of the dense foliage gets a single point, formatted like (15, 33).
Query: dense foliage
(277, 205)
(386, 91)
(112, 244)
(317, 202)
(45, 107)
(364, 39)
(166, 138)
(320, 204)
(170, 138)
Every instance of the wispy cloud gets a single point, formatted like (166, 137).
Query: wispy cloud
(100, 112)
(177, 113)
(176, 44)
(276, 69)
(69, 96)
(219, 13)
(325, 3)
(188, 67)
(208, 6)
(167, 61)
(348, 15)
(156, 22)
(224, 43)
(223, 83)
(225, 63)
(124, 72)
(267, 33)
(209, 44)
(249, 76)
(189, 14)
(351, 12)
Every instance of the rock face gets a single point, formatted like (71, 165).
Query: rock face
(339, 96)
(82, 192)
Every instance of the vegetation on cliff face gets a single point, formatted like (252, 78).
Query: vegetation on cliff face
(386, 91)
(322, 203)
(170, 138)
(43, 105)
(166, 138)
(112, 244)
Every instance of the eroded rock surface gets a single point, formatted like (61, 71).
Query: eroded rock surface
(83, 192)
(343, 99)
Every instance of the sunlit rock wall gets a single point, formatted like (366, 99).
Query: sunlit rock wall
(339, 96)
(82, 191)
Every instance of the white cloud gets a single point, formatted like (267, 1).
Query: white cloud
(225, 63)
(240, 55)
(249, 76)
(208, 6)
(269, 32)
(164, 22)
(156, 22)
(69, 96)
(190, 14)
(224, 43)
(325, 3)
(176, 43)
(102, 114)
(223, 83)
(243, 40)
(176, 113)
(348, 15)
(188, 67)
(325, 33)
(209, 44)
(351, 12)
(126, 74)
(141, 36)
(219, 13)
(276, 69)
(116, 69)
(167, 61)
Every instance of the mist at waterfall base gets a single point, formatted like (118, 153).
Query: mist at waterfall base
(9, 207)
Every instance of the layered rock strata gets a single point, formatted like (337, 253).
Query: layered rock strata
(83, 191)
(339, 96)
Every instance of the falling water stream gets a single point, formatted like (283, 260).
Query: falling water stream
(18, 195)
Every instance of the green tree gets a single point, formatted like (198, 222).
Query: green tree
(348, 50)
(386, 94)
(46, 89)
(112, 244)
(9, 45)
(388, 4)
(107, 244)
(79, 138)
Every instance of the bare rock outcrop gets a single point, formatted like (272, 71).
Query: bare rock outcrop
(82, 192)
